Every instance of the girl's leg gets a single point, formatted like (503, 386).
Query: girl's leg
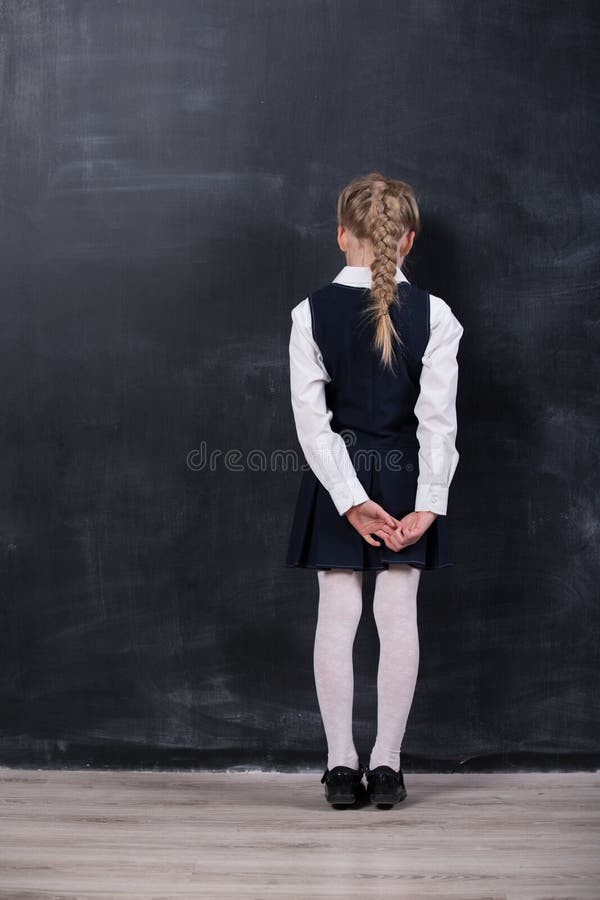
(340, 608)
(395, 612)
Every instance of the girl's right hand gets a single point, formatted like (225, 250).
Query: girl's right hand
(370, 518)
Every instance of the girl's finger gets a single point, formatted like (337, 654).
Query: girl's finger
(393, 544)
(386, 529)
(387, 519)
(386, 538)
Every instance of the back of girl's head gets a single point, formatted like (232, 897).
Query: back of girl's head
(380, 210)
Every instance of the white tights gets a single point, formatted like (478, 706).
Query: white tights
(395, 613)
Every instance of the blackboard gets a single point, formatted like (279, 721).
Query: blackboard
(169, 173)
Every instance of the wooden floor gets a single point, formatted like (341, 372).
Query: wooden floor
(96, 834)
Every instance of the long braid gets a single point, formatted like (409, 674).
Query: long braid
(381, 210)
(385, 231)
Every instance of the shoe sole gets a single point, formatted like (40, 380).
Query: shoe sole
(386, 800)
(382, 798)
(342, 801)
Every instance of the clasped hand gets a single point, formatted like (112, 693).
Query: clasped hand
(369, 518)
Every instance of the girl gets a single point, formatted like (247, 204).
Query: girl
(373, 377)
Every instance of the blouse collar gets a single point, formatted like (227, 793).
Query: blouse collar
(360, 276)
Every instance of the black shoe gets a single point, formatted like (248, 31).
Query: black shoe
(343, 785)
(385, 786)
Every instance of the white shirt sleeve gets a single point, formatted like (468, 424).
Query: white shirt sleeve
(436, 409)
(325, 450)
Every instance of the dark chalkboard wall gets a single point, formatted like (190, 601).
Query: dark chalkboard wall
(168, 178)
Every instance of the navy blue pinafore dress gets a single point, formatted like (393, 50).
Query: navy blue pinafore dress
(373, 409)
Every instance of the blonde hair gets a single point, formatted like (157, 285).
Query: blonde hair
(381, 210)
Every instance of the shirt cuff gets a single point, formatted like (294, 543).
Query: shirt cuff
(347, 495)
(431, 498)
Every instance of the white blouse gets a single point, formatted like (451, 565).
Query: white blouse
(325, 450)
